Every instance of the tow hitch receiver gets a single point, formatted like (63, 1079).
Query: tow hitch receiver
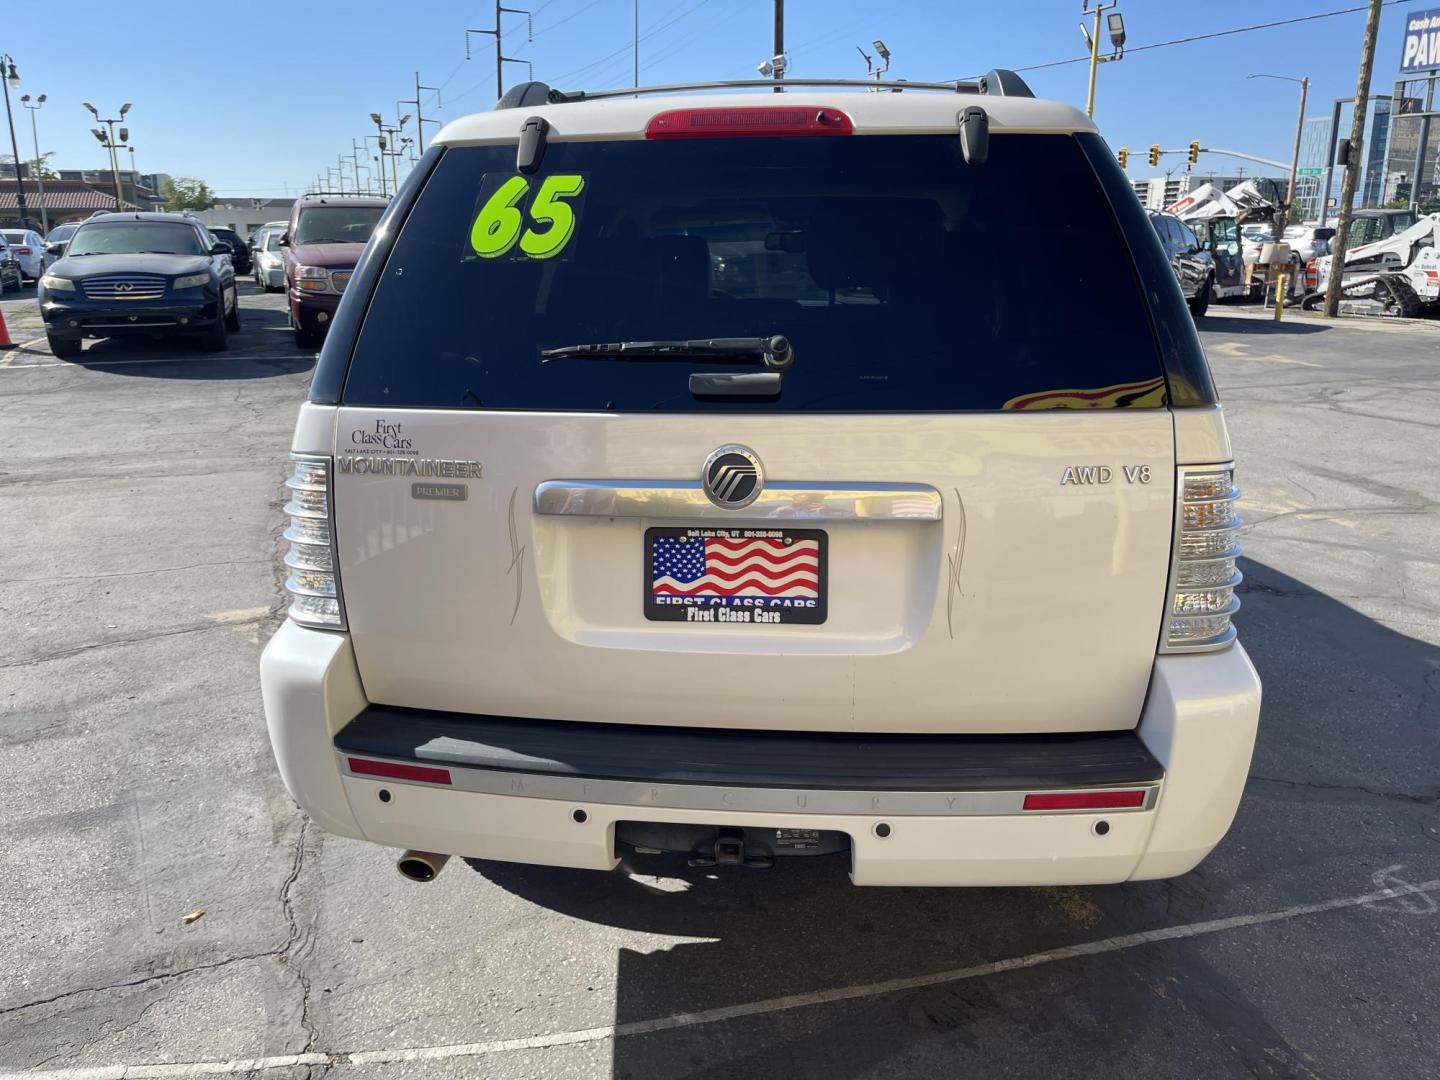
(728, 849)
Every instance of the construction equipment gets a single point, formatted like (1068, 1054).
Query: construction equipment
(1397, 276)
(1217, 216)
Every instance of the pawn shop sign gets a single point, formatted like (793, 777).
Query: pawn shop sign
(1421, 51)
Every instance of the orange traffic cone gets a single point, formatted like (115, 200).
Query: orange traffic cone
(5, 342)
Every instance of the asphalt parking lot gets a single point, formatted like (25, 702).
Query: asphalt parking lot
(140, 495)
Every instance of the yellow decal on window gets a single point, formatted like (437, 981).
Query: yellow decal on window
(500, 221)
(1149, 394)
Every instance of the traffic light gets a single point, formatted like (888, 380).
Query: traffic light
(1124, 157)
(1194, 151)
(1154, 154)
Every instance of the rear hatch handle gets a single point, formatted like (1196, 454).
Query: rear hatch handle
(778, 501)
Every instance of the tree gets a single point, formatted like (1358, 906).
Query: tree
(34, 167)
(187, 193)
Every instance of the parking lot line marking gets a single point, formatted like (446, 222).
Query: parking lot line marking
(728, 1012)
(82, 363)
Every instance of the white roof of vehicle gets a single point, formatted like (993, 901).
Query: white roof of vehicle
(913, 112)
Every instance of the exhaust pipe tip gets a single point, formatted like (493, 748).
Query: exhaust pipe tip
(421, 865)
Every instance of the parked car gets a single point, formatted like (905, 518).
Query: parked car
(1309, 241)
(255, 232)
(1193, 266)
(11, 275)
(60, 234)
(139, 273)
(323, 241)
(708, 494)
(29, 250)
(269, 259)
(239, 249)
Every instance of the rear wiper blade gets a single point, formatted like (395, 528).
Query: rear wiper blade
(773, 352)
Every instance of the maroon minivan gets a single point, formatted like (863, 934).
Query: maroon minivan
(322, 245)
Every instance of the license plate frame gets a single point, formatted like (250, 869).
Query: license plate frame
(744, 609)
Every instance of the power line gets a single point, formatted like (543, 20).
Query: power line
(654, 29)
(1211, 36)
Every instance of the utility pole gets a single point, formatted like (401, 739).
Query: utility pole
(1284, 213)
(420, 120)
(1352, 167)
(636, 29)
(39, 165)
(10, 77)
(500, 58)
(779, 49)
(355, 150)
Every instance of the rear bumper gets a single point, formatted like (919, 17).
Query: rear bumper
(949, 827)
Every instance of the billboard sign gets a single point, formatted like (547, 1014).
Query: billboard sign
(1421, 51)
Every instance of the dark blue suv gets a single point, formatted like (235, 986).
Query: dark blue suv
(139, 273)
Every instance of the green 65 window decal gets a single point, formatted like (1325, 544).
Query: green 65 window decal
(521, 217)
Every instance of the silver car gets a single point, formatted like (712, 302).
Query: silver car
(269, 262)
(29, 249)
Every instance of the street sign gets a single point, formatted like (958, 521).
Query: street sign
(1421, 51)
(1310, 172)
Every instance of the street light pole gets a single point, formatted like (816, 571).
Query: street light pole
(1283, 216)
(10, 77)
(380, 137)
(39, 167)
(1116, 24)
(111, 145)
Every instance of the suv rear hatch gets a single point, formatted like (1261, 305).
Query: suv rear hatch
(968, 469)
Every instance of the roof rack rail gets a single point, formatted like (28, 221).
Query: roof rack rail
(999, 82)
(345, 194)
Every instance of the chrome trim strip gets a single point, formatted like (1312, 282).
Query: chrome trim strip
(786, 502)
(760, 800)
(1234, 583)
(293, 586)
(1215, 644)
(296, 510)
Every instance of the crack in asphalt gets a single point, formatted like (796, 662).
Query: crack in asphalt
(136, 573)
(299, 939)
(135, 639)
(1399, 796)
(142, 980)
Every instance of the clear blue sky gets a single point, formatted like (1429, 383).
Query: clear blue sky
(255, 96)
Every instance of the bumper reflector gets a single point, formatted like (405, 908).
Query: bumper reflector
(424, 773)
(1085, 800)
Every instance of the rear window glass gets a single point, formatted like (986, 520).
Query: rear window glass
(905, 279)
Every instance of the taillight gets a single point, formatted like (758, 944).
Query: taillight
(1203, 575)
(748, 122)
(311, 582)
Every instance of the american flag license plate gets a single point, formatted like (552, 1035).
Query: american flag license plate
(735, 577)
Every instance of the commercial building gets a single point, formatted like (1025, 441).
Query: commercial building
(73, 194)
(244, 214)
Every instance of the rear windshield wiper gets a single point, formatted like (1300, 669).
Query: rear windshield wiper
(774, 351)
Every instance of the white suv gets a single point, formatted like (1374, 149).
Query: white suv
(691, 474)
